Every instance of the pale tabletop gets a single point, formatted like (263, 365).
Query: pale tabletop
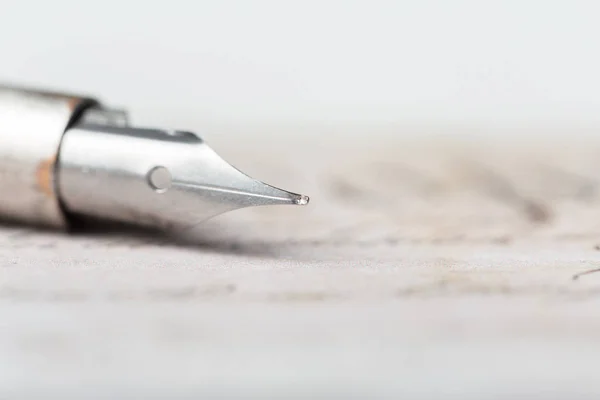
(426, 265)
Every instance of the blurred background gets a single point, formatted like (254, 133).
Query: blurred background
(495, 62)
(421, 267)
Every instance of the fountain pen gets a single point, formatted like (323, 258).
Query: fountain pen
(65, 157)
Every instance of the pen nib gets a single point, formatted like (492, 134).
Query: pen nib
(204, 185)
(157, 178)
(211, 178)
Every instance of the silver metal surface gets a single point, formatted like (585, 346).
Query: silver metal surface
(104, 116)
(31, 127)
(169, 180)
(63, 156)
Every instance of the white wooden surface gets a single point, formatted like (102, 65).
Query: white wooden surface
(425, 267)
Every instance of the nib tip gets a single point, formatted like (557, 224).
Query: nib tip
(302, 200)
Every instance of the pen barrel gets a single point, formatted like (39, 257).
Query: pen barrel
(32, 124)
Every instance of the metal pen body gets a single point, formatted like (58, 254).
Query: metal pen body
(64, 156)
(32, 125)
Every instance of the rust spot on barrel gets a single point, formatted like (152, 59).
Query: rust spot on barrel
(44, 176)
(73, 102)
(45, 169)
